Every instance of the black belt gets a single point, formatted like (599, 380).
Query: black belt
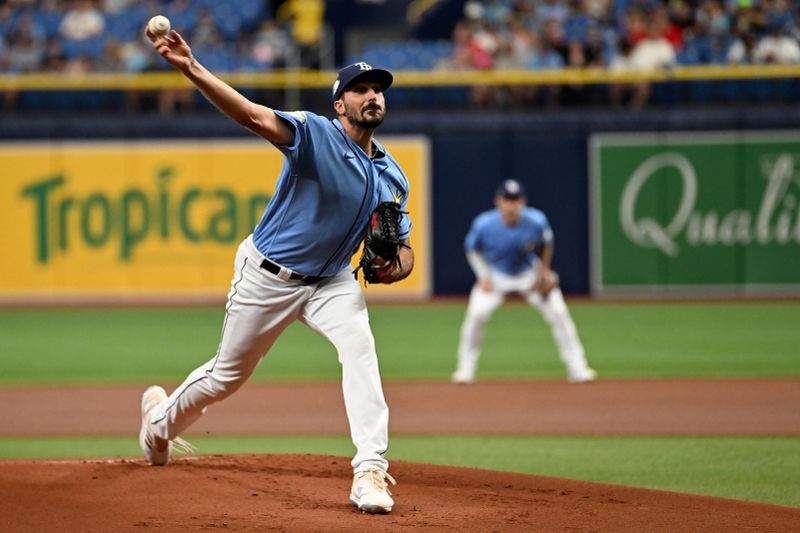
(275, 268)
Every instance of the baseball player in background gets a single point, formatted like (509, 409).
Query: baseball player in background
(510, 249)
(296, 263)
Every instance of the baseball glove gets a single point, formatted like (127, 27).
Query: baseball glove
(382, 240)
(546, 282)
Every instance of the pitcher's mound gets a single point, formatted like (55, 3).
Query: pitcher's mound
(310, 493)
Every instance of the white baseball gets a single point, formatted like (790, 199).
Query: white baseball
(159, 25)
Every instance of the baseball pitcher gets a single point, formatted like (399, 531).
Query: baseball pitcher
(510, 249)
(296, 263)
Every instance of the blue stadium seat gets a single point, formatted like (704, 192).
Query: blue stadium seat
(227, 18)
(92, 48)
(219, 59)
(127, 25)
(405, 55)
(252, 13)
(184, 20)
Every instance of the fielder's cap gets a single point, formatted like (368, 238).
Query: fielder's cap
(362, 72)
(511, 189)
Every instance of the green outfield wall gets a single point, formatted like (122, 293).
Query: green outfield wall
(698, 212)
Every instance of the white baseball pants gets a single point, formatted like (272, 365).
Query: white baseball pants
(482, 304)
(260, 306)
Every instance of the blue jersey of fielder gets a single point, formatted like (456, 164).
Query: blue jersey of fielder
(509, 249)
(323, 198)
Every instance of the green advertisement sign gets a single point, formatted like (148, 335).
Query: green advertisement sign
(695, 213)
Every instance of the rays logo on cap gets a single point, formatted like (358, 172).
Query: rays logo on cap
(361, 66)
(511, 187)
(354, 72)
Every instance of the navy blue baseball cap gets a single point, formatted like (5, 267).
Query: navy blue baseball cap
(511, 189)
(362, 72)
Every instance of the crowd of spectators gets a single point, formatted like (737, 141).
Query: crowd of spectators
(108, 35)
(79, 36)
(84, 36)
(619, 35)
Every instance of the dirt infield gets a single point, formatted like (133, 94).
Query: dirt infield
(607, 407)
(309, 493)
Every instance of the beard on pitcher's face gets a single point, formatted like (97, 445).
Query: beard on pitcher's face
(370, 115)
(364, 105)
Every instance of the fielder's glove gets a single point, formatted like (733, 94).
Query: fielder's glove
(381, 240)
(546, 282)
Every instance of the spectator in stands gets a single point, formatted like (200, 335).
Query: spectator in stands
(555, 10)
(271, 47)
(82, 21)
(116, 6)
(776, 48)
(653, 52)
(681, 14)
(522, 50)
(749, 19)
(523, 12)
(53, 35)
(590, 52)
(110, 59)
(741, 50)
(135, 57)
(634, 26)
(470, 53)
(593, 49)
(554, 39)
(7, 98)
(577, 24)
(481, 39)
(792, 28)
(3, 56)
(78, 66)
(205, 35)
(473, 14)
(777, 12)
(714, 18)
(7, 16)
(621, 64)
(54, 59)
(599, 10)
(497, 12)
(307, 19)
(543, 56)
(26, 46)
(665, 28)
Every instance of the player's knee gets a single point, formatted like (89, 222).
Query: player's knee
(359, 343)
(478, 317)
(363, 345)
(223, 385)
(550, 317)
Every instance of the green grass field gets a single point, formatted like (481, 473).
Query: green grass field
(629, 340)
(414, 342)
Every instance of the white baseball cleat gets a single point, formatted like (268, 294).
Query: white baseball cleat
(157, 450)
(370, 492)
(581, 375)
(462, 377)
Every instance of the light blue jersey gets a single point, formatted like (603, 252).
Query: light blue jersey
(509, 249)
(326, 191)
